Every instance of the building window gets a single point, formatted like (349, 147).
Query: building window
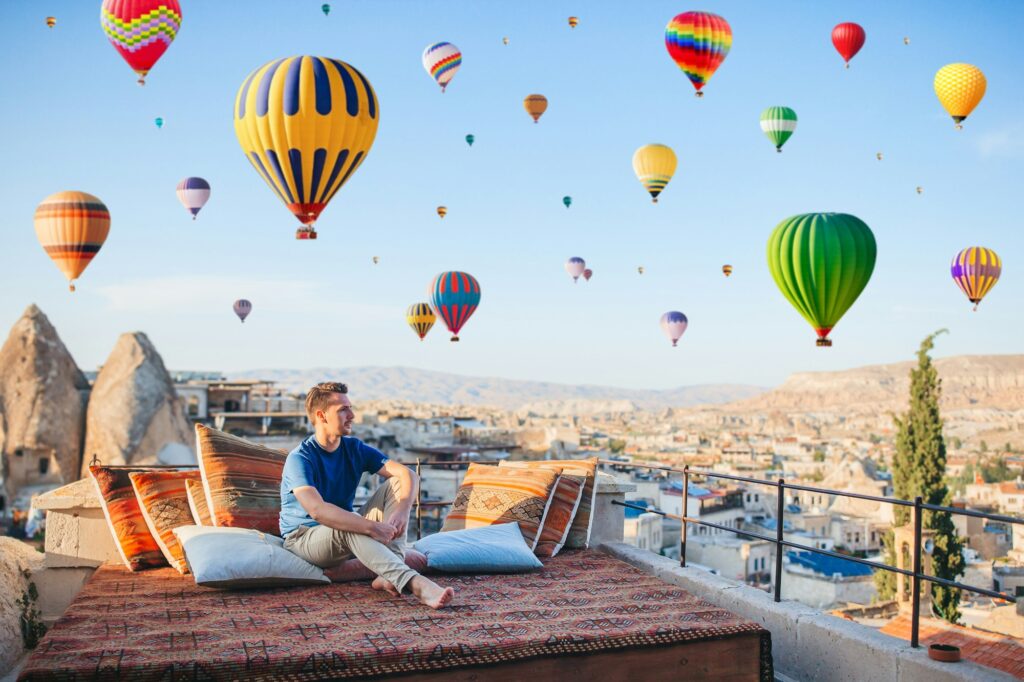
(757, 497)
(19, 453)
(44, 465)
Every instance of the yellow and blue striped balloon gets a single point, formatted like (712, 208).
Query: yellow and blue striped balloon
(421, 318)
(306, 124)
(976, 270)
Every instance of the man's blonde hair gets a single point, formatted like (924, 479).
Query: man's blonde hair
(320, 395)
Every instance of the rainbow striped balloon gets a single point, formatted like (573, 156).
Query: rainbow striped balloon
(141, 30)
(698, 43)
(454, 296)
(442, 60)
(976, 270)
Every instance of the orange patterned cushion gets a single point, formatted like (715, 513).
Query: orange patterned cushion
(197, 502)
(242, 480)
(489, 495)
(579, 532)
(164, 502)
(565, 500)
(135, 543)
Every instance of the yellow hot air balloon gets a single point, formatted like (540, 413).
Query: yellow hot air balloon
(654, 165)
(421, 318)
(51, 21)
(960, 88)
(306, 124)
(72, 226)
(535, 106)
(727, 270)
(442, 211)
(574, 22)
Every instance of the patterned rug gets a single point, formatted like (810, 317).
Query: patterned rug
(158, 625)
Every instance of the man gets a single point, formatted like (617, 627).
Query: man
(317, 490)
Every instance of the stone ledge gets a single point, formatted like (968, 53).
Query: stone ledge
(80, 494)
(808, 644)
(608, 484)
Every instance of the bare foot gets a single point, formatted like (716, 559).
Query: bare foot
(380, 583)
(430, 593)
(348, 571)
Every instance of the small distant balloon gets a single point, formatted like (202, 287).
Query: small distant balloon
(242, 308)
(848, 38)
(442, 211)
(193, 193)
(159, 122)
(376, 259)
(420, 318)
(567, 201)
(535, 106)
(505, 40)
(574, 22)
(442, 61)
(325, 8)
(470, 139)
(778, 123)
(976, 270)
(640, 269)
(575, 266)
(920, 190)
(654, 165)
(51, 21)
(674, 324)
(587, 274)
(960, 88)
(878, 156)
(726, 270)
(906, 40)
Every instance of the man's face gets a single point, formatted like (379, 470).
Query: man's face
(338, 415)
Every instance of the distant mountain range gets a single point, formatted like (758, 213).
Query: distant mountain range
(424, 386)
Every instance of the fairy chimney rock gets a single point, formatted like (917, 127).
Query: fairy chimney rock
(43, 398)
(134, 412)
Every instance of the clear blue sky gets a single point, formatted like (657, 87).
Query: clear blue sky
(73, 118)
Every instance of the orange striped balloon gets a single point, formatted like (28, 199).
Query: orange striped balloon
(71, 227)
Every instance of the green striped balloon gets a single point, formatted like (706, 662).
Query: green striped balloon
(821, 263)
(778, 123)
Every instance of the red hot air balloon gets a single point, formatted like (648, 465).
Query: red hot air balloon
(587, 274)
(848, 38)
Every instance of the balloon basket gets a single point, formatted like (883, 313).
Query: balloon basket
(305, 234)
(654, 200)
(824, 343)
(71, 288)
(455, 339)
(778, 149)
(700, 94)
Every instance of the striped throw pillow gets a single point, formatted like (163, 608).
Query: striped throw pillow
(490, 495)
(163, 499)
(565, 500)
(197, 502)
(134, 542)
(242, 480)
(579, 532)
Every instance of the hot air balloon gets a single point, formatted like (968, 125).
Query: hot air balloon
(654, 165)
(778, 123)
(960, 88)
(51, 21)
(442, 211)
(575, 266)
(159, 121)
(470, 139)
(454, 296)
(325, 8)
(906, 40)
(421, 318)
(505, 40)
(976, 270)
(71, 227)
(587, 274)
(848, 38)
(442, 60)
(376, 259)
(878, 156)
(920, 190)
(242, 308)
(698, 43)
(674, 324)
(306, 124)
(141, 30)
(193, 193)
(535, 106)
(726, 270)
(574, 22)
(640, 269)
(567, 201)
(821, 262)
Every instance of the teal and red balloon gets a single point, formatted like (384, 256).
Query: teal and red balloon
(454, 296)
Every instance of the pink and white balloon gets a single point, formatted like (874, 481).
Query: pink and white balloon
(673, 323)
(575, 266)
(242, 308)
(193, 193)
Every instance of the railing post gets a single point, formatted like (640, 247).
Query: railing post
(780, 509)
(686, 500)
(419, 499)
(915, 614)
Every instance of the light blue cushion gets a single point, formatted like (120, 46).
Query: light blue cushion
(491, 549)
(241, 558)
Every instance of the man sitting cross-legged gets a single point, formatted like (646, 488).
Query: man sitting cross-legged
(317, 490)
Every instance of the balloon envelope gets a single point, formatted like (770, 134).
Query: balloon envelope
(306, 124)
(587, 274)
(654, 165)
(575, 266)
(574, 22)
(454, 297)
(442, 61)
(141, 30)
(325, 8)
(567, 201)
(976, 270)
(698, 43)
(51, 21)
(420, 318)
(778, 123)
(960, 88)
(193, 193)
(470, 139)
(442, 211)
(72, 227)
(674, 324)
(242, 308)
(848, 38)
(535, 106)
(821, 263)
(727, 270)
(159, 122)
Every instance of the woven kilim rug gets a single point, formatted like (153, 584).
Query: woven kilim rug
(158, 625)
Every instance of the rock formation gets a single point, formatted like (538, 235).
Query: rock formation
(134, 412)
(16, 557)
(43, 396)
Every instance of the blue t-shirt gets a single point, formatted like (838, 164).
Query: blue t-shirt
(335, 475)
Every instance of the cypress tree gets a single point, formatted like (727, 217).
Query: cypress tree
(919, 468)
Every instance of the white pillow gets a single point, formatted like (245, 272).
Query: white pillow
(241, 557)
(499, 548)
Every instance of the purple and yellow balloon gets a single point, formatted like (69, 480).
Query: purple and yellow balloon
(575, 266)
(976, 270)
(242, 308)
(674, 323)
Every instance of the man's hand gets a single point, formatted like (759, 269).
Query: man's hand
(382, 532)
(399, 520)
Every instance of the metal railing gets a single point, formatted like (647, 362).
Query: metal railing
(918, 505)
